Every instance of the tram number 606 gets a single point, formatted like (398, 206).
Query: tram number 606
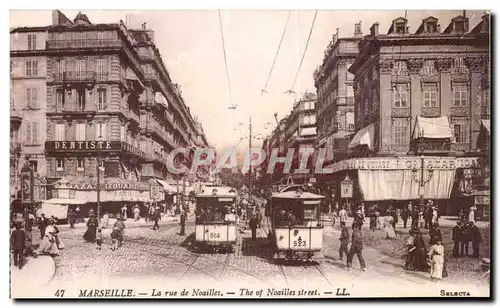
(299, 243)
(214, 235)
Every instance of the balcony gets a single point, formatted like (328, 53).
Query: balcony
(15, 147)
(70, 44)
(485, 112)
(78, 76)
(15, 117)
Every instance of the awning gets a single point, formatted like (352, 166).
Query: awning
(130, 75)
(487, 125)
(168, 188)
(308, 131)
(65, 201)
(364, 137)
(432, 128)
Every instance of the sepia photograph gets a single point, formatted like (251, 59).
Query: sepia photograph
(250, 154)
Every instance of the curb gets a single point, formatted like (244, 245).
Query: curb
(36, 272)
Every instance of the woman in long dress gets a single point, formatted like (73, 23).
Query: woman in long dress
(48, 244)
(90, 234)
(389, 230)
(436, 255)
(105, 221)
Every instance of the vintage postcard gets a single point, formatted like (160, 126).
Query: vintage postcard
(238, 154)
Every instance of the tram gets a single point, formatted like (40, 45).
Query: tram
(215, 225)
(296, 230)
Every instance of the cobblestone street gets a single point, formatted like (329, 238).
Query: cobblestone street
(164, 255)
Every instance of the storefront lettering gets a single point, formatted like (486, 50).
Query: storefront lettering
(408, 163)
(110, 186)
(79, 145)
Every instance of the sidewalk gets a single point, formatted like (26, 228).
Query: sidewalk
(35, 273)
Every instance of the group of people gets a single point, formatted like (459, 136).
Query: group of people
(94, 231)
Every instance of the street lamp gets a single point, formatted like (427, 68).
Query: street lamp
(419, 177)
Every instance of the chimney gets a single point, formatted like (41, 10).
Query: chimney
(374, 29)
(55, 17)
(357, 30)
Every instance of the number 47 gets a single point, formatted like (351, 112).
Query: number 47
(59, 293)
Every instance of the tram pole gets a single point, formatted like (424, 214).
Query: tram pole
(250, 151)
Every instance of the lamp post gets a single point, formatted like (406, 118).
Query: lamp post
(98, 189)
(419, 176)
(27, 191)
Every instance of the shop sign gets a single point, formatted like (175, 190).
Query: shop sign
(482, 200)
(407, 163)
(92, 146)
(110, 186)
(346, 188)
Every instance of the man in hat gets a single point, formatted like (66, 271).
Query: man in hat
(356, 248)
(344, 241)
(466, 238)
(428, 215)
(435, 215)
(43, 225)
(18, 242)
(457, 238)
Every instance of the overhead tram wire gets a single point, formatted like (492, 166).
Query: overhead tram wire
(232, 107)
(264, 90)
(304, 53)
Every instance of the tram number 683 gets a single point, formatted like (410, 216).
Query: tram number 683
(299, 243)
(214, 235)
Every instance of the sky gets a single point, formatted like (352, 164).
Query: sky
(191, 46)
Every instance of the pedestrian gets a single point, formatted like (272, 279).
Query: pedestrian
(358, 218)
(343, 215)
(434, 233)
(417, 252)
(91, 212)
(428, 216)
(137, 211)
(362, 208)
(436, 256)
(461, 215)
(99, 239)
(42, 226)
(410, 206)
(472, 214)
(253, 226)
(405, 213)
(466, 238)
(435, 215)
(392, 212)
(48, 244)
(183, 223)
(156, 219)
(373, 218)
(356, 248)
(18, 242)
(90, 234)
(344, 241)
(388, 228)
(457, 239)
(124, 212)
(105, 220)
(120, 226)
(78, 214)
(475, 235)
(114, 238)
(71, 219)
(415, 215)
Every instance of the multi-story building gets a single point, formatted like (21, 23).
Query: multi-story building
(111, 111)
(27, 106)
(420, 98)
(334, 87)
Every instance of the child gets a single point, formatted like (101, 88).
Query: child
(98, 238)
(114, 238)
(436, 254)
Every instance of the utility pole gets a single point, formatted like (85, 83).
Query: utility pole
(98, 188)
(250, 158)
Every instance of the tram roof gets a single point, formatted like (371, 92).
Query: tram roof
(217, 191)
(293, 195)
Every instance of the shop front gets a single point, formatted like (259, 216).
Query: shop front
(398, 180)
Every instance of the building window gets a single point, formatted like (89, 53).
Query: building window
(460, 94)
(101, 67)
(31, 98)
(34, 165)
(350, 91)
(59, 164)
(60, 69)
(34, 133)
(400, 68)
(59, 132)
(400, 95)
(122, 133)
(101, 99)
(459, 66)
(59, 99)
(431, 27)
(400, 27)
(31, 68)
(80, 100)
(31, 41)
(80, 131)
(80, 164)
(80, 68)
(101, 130)
(460, 133)
(429, 67)
(430, 95)
(27, 136)
(460, 26)
(400, 131)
